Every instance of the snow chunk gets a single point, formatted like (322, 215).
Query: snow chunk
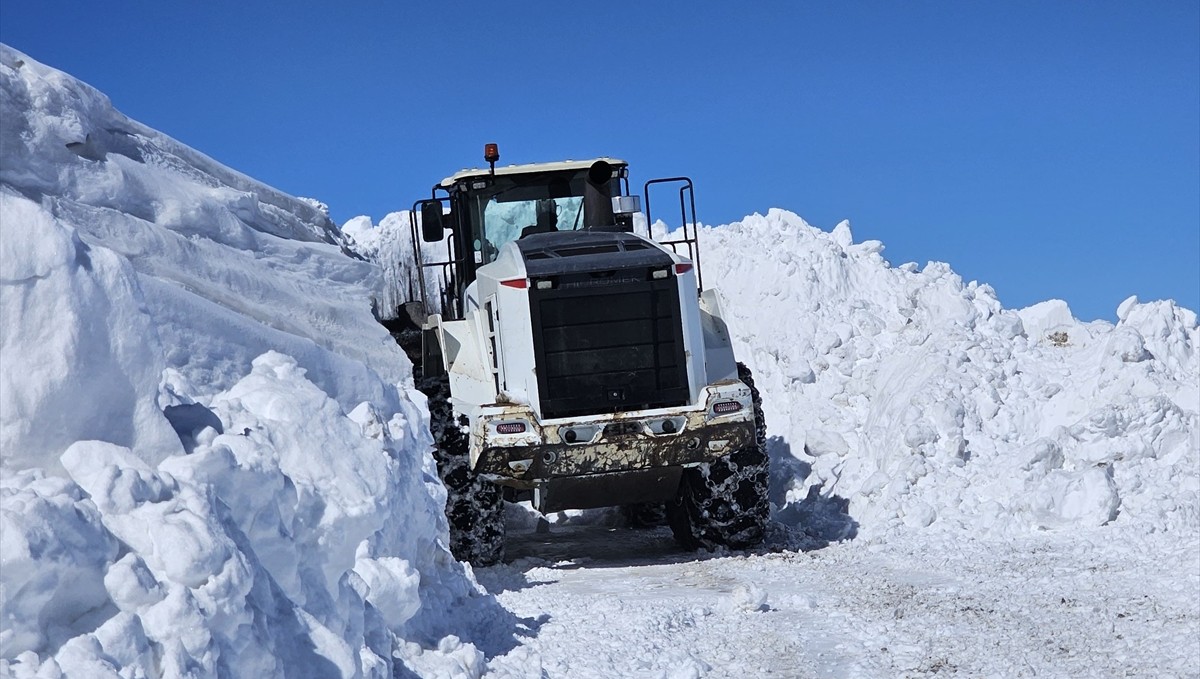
(1046, 319)
(1124, 307)
(1087, 498)
(53, 554)
(392, 585)
(819, 442)
(169, 525)
(841, 234)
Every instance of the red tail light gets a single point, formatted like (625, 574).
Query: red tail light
(726, 407)
(518, 283)
(681, 269)
(510, 428)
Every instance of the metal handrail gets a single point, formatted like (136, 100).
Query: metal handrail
(692, 241)
(419, 260)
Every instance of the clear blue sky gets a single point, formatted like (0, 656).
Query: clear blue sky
(1051, 149)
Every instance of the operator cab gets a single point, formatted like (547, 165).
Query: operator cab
(520, 200)
(490, 207)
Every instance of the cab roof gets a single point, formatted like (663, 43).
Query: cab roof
(529, 167)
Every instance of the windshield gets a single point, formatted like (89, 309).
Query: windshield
(524, 204)
(503, 222)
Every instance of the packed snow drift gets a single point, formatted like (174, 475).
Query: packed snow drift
(921, 401)
(214, 463)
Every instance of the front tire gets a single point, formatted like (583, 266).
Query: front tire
(724, 503)
(474, 506)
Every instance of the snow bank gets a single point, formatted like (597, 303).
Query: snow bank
(920, 401)
(212, 465)
(228, 268)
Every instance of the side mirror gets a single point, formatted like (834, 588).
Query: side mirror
(432, 226)
(626, 205)
(624, 208)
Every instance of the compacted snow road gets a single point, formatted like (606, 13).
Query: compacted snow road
(615, 602)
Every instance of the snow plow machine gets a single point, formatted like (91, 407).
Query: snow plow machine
(573, 363)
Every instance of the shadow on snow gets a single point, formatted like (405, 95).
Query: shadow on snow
(809, 523)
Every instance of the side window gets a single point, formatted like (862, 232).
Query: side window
(570, 213)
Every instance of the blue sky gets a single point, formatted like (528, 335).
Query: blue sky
(1050, 149)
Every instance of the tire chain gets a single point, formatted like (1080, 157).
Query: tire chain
(474, 506)
(724, 502)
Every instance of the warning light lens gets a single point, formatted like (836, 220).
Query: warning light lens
(681, 269)
(510, 428)
(518, 283)
(726, 407)
(491, 153)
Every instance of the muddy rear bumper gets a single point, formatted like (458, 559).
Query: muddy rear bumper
(627, 461)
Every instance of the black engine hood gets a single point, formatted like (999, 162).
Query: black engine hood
(567, 252)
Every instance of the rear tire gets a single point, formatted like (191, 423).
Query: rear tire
(474, 506)
(724, 503)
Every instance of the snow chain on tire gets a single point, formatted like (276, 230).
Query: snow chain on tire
(474, 506)
(724, 502)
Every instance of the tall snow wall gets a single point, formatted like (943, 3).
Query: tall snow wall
(212, 462)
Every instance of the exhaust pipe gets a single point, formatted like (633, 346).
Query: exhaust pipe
(597, 198)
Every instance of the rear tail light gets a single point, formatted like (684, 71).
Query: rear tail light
(518, 283)
(510, 428)
(726, 407)
(681, 269)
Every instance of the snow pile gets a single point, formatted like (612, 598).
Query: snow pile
(920, 400)
(211, 463)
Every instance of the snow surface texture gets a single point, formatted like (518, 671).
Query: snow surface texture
(213, 464)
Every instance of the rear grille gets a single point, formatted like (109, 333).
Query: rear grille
(606, 349)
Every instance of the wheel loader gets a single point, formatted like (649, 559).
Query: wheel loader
(572, 361)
